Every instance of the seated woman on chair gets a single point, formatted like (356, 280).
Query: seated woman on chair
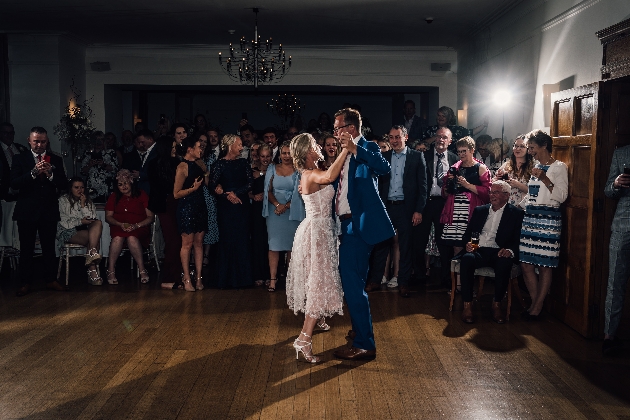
(79, 225)
(129, 219)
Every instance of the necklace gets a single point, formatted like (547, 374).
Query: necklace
(550, 160)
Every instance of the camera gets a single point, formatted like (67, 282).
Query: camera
(453, 186)
(506, 176)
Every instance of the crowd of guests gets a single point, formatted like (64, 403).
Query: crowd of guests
(235, 200)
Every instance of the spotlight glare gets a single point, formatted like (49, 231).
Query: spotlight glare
(502, 98)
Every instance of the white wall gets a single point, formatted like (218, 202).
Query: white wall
(196, 65)
(538, 42)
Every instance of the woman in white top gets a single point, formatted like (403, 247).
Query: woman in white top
(540, 234)
(79, 225)
(517, 170)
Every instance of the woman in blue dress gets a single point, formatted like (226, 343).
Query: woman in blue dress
(212, 232)
(192, 219)
(283, 219)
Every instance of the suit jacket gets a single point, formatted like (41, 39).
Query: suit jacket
(416, 129)
(5, 182)
(369, 217)
(509, 230)
(414, 181)
(132, 162)
(428, 158)
(621, 221)
(37, 199)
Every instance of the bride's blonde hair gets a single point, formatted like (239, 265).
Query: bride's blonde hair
(299, 147)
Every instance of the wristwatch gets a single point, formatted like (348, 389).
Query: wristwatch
(550, 185)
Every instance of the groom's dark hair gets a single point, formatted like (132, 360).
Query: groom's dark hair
(350, 116)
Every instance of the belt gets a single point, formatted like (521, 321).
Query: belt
(395, 202)
(435, 197)
(345, 216)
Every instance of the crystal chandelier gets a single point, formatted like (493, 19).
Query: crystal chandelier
(256, 64)
(286, 106)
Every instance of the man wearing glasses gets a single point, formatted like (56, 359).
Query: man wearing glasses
(498, 228)
(39, 176)
(363, 221)
(9, 149)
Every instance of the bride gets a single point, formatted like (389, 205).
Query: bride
(313, 284)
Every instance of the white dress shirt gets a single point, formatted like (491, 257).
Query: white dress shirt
(343, 205)
(435, 189)
(36, 157)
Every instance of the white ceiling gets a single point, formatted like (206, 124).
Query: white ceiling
(292, 22)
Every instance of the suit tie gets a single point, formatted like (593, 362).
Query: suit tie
(439, 170)
(143, 156)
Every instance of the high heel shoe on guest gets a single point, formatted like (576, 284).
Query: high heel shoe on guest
(92, 257)
(301, 345)
(94, 279)
(271, 288)
(321, 323)
(199, 285)
(144, 276)
(111, 277)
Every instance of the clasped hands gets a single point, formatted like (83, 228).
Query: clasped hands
(503, 253)
(232, 198)
(345, 139)
(43, 167)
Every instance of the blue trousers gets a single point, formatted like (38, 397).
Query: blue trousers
(618, 273)
(354, 261)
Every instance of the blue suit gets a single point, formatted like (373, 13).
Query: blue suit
(368, 226)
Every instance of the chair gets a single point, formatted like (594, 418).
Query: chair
(150, 250)
(68, 251)
(12, 254)
(482, 273)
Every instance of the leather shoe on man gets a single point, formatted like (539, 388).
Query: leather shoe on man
(23, 291)
(53, 285)
(404, 291)
(371, 287)
(467, 316)
(497, 313)
(354, 353)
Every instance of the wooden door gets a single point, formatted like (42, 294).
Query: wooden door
(574, 129)
(614, 132)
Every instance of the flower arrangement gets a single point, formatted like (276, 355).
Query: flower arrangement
(75, 126)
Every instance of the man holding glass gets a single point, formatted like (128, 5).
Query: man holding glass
(496, 227)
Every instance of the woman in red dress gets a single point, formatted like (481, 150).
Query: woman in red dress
(129, 220)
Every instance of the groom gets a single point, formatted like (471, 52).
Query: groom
(364, 223)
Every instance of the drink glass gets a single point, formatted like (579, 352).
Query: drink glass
(474, 240)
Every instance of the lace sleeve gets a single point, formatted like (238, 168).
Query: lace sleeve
(216, 170)
(250, 179)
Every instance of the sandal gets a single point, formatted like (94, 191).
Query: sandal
(92, 257)
(111, 277)
(321, 323)
(188, 286)
(271, 288)
(144, 276)
(94, 279)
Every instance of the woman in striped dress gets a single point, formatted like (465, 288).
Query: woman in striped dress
(463, 193)
(540, 235)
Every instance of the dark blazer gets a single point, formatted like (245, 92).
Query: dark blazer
(509, 231)
(414, 181)
(369, 217)
(132, 162)
(428, 158)
(38, 197)
(5, 172)
(417, 127)
(160, 189)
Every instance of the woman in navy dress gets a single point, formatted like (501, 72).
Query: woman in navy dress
(283, 219)
(192, 216)
(231, 181)
(212, 231)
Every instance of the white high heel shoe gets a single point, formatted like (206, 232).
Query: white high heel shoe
(321, 323)
(300, 345)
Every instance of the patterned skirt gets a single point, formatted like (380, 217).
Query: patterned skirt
(454, 232)
(540, 236)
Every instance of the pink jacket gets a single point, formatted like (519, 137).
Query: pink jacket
(482, 197)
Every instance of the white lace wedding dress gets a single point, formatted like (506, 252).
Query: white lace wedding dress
(313, 282)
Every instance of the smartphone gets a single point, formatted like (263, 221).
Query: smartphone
(626, 170)
(506, 176)
(244, 116)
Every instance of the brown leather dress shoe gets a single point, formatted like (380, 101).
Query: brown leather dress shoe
(371, 287)
(497, 313)
(354, 353)
(467, 316)
(23, 291)
(53, 285)
(351, 335)
(404, 291)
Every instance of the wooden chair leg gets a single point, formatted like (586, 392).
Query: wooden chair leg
(60, 262)
(453, 283)
(482, 279)
(2, 257)
(155, 257)
(67, 266)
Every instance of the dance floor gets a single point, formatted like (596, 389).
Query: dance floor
(137, 352)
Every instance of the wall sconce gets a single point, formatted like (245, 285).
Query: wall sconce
(462, 117)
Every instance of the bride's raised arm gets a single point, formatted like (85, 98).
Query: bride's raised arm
(324, 178)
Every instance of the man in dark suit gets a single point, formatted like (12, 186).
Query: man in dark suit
(438, 159)
(137, 160)
(498, 225)
(9, 149)
(412, 123)
(404, 192)
(363, 222)
(270, 136)
(39, 176)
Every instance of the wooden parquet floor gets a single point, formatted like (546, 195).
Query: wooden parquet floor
(138, 352)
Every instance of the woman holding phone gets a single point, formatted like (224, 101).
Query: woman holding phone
(79, 225)
(192, 213)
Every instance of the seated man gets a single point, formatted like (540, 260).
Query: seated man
(498, 225)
